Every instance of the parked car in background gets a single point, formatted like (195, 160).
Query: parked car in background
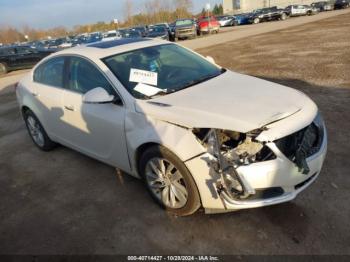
(185, 28)
(208, 25)
(267, 14)
(300, 10)
(166, 25)
(111, 35)
(341, 4)
(169, 28)
(323, 6)
(198, 135)
(242, 19)
(20, 57)
(159, 31)
(66, 44)
(227, 20)
(172, 30)
(130, 33)
(141, 29)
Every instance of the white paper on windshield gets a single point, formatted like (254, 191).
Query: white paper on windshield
(147, 90)
(142, 76)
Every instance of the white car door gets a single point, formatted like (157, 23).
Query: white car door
(94, 129)
(302, 10)
(48, 90)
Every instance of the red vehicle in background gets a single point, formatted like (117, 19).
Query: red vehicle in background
(207, 25)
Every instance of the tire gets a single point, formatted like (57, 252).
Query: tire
(256, 20)
(3, 69)
(283, 16)
(37, 132)
(169, 182)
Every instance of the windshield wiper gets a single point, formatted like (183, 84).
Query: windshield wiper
(203, 79)
(163, 92)
(187, 85)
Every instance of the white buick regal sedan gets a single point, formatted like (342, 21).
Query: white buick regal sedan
(197, 134)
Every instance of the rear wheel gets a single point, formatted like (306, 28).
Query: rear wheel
(169, 181)
(37, 132)
(283, 16)
(3, 69)
(256, 20)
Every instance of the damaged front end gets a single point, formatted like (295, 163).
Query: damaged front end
(230, 150)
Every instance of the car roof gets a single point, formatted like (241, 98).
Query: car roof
(99, 50)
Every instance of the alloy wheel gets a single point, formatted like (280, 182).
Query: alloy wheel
(35, 131)
(166, 183)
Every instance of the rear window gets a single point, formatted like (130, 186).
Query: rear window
(50, 73)
(184, 22)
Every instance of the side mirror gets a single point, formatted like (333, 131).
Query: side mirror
(211, 60)
(98, 95)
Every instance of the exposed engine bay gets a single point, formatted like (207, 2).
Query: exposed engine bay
(229, 150)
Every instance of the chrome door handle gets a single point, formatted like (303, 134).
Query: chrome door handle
(70, 108)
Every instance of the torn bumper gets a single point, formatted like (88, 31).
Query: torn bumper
(275, 181)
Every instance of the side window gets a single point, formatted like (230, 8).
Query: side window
(50, 73)
(84, 76)
(23, 50)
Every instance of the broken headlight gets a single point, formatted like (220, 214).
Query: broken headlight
(235, 147)
(230, 150)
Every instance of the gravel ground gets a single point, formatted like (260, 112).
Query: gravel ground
(65, 203)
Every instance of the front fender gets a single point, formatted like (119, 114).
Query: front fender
(141, 129)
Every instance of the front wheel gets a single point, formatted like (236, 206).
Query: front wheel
(283, 17)
(169, 181)
(37, 132)
(256, 20)
(3, 69)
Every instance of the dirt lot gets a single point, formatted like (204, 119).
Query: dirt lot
(65, 203)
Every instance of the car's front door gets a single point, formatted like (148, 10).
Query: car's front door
(95, 129)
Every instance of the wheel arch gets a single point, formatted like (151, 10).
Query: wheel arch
(24, 109)
(141, 150)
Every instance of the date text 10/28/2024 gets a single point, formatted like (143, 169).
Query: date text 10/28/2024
(173, 258)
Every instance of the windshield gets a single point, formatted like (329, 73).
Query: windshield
(111, 35)
(168, 68)
(130, 34)
(157, 29)
(184, 22)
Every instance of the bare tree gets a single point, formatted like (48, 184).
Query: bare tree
(128, 11)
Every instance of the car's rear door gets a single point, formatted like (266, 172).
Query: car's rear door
(12, 58)
(94, 129)
(25, 56)
(48, 87)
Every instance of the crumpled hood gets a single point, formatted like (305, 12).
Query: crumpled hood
(230, 101)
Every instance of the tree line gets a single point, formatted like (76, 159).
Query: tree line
(154, 11)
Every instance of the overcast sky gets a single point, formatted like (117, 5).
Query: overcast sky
(51, 13)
